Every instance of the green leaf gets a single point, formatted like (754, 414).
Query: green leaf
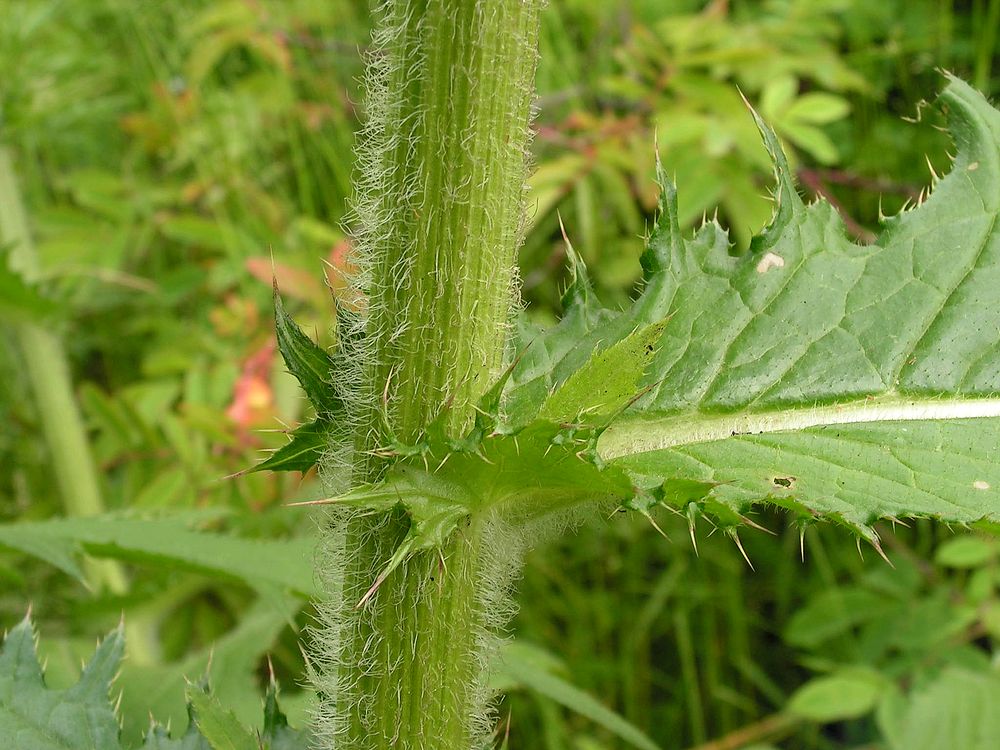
(810, 139)
(265, 565)
(311, 366)
(33, 717)
(222, 730)
(965, 552)
(303, 451)
(159, 738)
(838, 381)
(957, 710)
(615, 371)
(526, 666)
(843, 381)
(229, 665)
(818, 108)
(213, 727)
(277, 734)
(196, 231)
(538, 471)
(833, 613)
(846, 694)
(19, 300)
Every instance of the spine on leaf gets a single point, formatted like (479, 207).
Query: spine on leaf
(400, 659)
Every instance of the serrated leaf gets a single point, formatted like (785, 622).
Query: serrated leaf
(607, 382)
(277, 734)
(218, 725)
(838, 381)
(214, 727)
(541, 470)
(159, 738)
(229, 665)
(303, 451)
(852, 382)
(310, 365)
(33, 717)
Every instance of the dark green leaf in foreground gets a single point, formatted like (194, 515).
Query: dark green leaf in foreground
(214, 727)
(159, 739)
(311, 366)
(857, 382)
(229, 665)
(32, 717)
(277, 734)
(306, 447)
(839, 381)
(219, 726)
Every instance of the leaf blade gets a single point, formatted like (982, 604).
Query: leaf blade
(310, 365)
(855, 382)
(32, 717)
(302, 452)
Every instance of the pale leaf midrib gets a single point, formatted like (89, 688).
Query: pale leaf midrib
(643, 434)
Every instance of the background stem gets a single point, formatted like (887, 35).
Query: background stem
(48, 373)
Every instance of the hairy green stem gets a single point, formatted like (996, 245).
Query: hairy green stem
(439, 221)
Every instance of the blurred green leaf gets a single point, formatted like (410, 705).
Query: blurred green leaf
(19, 300)
(810, 139)
(846, 694)
(957, 710)
(263, 564)
(965, 552)
(818, 108)
(194, 230)
(530, 667)
(833, 613)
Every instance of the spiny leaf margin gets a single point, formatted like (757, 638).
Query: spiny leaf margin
(82, 717)
(313, 368)
(34, 717)
(895, 382)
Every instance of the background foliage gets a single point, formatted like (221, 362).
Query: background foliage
(172, 154)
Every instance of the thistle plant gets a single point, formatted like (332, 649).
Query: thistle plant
(840, 382)
(834, 380)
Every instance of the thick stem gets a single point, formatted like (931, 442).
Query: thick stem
(440, 219)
